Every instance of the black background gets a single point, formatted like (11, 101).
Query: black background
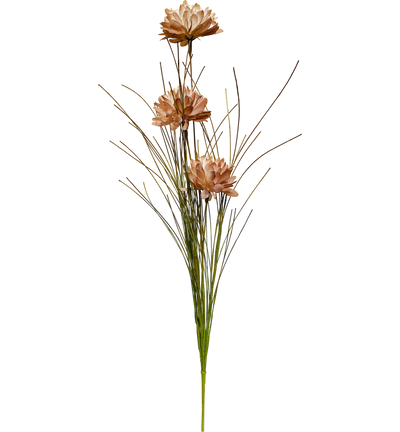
(131, 354)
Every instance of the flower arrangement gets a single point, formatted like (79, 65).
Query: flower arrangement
(196, 179)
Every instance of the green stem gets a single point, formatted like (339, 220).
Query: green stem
(203, 347)
(203, 390)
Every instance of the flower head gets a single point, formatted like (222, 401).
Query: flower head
(211, 177)
(188, 23)
(172, 111)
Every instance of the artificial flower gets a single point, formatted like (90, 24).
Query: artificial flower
(212, 177)
(189, 20)
(168, 108)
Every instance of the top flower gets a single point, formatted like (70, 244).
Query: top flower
(188, 23)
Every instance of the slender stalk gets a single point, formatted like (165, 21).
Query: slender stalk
(195, 231)
(203, 388)
(205, 280)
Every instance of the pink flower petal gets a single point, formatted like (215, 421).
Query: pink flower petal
(230, 192)
(204, 194)
(218, 188)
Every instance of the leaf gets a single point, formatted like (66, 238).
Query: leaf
(264, 153)
(249, 197)
(127, 182)
(138, 94)
(255, 132)
(123, 147)
(164, 174)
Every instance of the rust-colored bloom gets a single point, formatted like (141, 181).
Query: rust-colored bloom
(211, 177)
(169, 109)
(188, 23)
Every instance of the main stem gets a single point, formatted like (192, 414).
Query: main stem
(203, 389)
(198, 269)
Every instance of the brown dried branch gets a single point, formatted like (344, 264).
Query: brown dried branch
(255, 131)
(200, 73)
(264, 153)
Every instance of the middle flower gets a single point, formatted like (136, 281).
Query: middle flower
(172, 110)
